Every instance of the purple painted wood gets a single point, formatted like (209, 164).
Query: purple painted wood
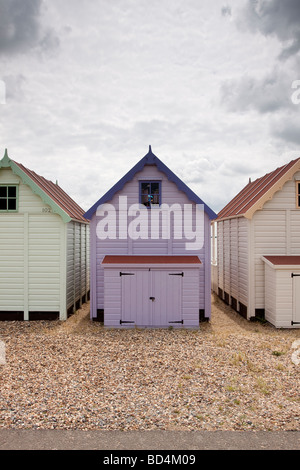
(149, 159)
(106, 289)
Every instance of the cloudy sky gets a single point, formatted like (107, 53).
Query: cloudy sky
(89, 85)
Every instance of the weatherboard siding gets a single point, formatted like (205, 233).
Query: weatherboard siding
(36, 259)
(44, 262)
(294, 238)
(232, 260)
(269, 239)
(220, 255)
(270, 297)
(243, 260)
(99, 248)
(114, 297)
(276, 231)
(279, 295)
(78, 259)
(11, 262)
(270, 225)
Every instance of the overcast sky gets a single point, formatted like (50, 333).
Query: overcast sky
(89, 85)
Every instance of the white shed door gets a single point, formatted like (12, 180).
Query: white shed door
(151, 298)
(296, 303)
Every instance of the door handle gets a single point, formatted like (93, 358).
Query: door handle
(152, 298)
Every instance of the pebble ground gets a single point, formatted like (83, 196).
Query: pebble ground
(230, 374)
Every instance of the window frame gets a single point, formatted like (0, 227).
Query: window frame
(7, 210)
(297, 193)
(150, 181)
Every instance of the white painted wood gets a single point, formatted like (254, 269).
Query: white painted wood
(78, 261)
(63, 271)
(270, 294)
(282, 295)
(12, 262)
(35, 255)
(273, 230)
(26, 266)
(44, 248)
(296, 299)
(243, 260)
(232, 259)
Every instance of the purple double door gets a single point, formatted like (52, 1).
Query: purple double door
(152, 297)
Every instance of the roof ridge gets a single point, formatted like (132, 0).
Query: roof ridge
(55, 192)
(254, 190)
(150, 159)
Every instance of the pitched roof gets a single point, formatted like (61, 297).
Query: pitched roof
(283, 260)
(150, 159)
(51, 193)
(253, 196)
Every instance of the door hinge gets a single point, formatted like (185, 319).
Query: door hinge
(176, 274)
(152, 298)
(125, 321)
(177, 321)
(126, 274)
(294, 275)
(295, 322)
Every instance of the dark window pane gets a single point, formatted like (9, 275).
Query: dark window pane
(3, 206)
(155, 188)
(145, 200)
(150, 193)
(12, 191)
(145, 188)
(3, 191)
(12, 204)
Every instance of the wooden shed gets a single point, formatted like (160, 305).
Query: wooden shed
(282, 290)
(150, 251)
(44, 247)
(257, 247)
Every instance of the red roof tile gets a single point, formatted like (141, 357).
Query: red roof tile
(148, 259)
(56, 193)
(251, 193)
(281, 260)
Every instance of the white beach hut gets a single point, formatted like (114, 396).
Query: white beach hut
(256, 267)
(44, 247)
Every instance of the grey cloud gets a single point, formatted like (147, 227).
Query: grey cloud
(226, 10)
(280, 18)
(14, 86)
(287, 131)
(269, 94)
(20, 27)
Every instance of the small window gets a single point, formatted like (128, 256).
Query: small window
(8, 198)
(298, 193)
(150, 193)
